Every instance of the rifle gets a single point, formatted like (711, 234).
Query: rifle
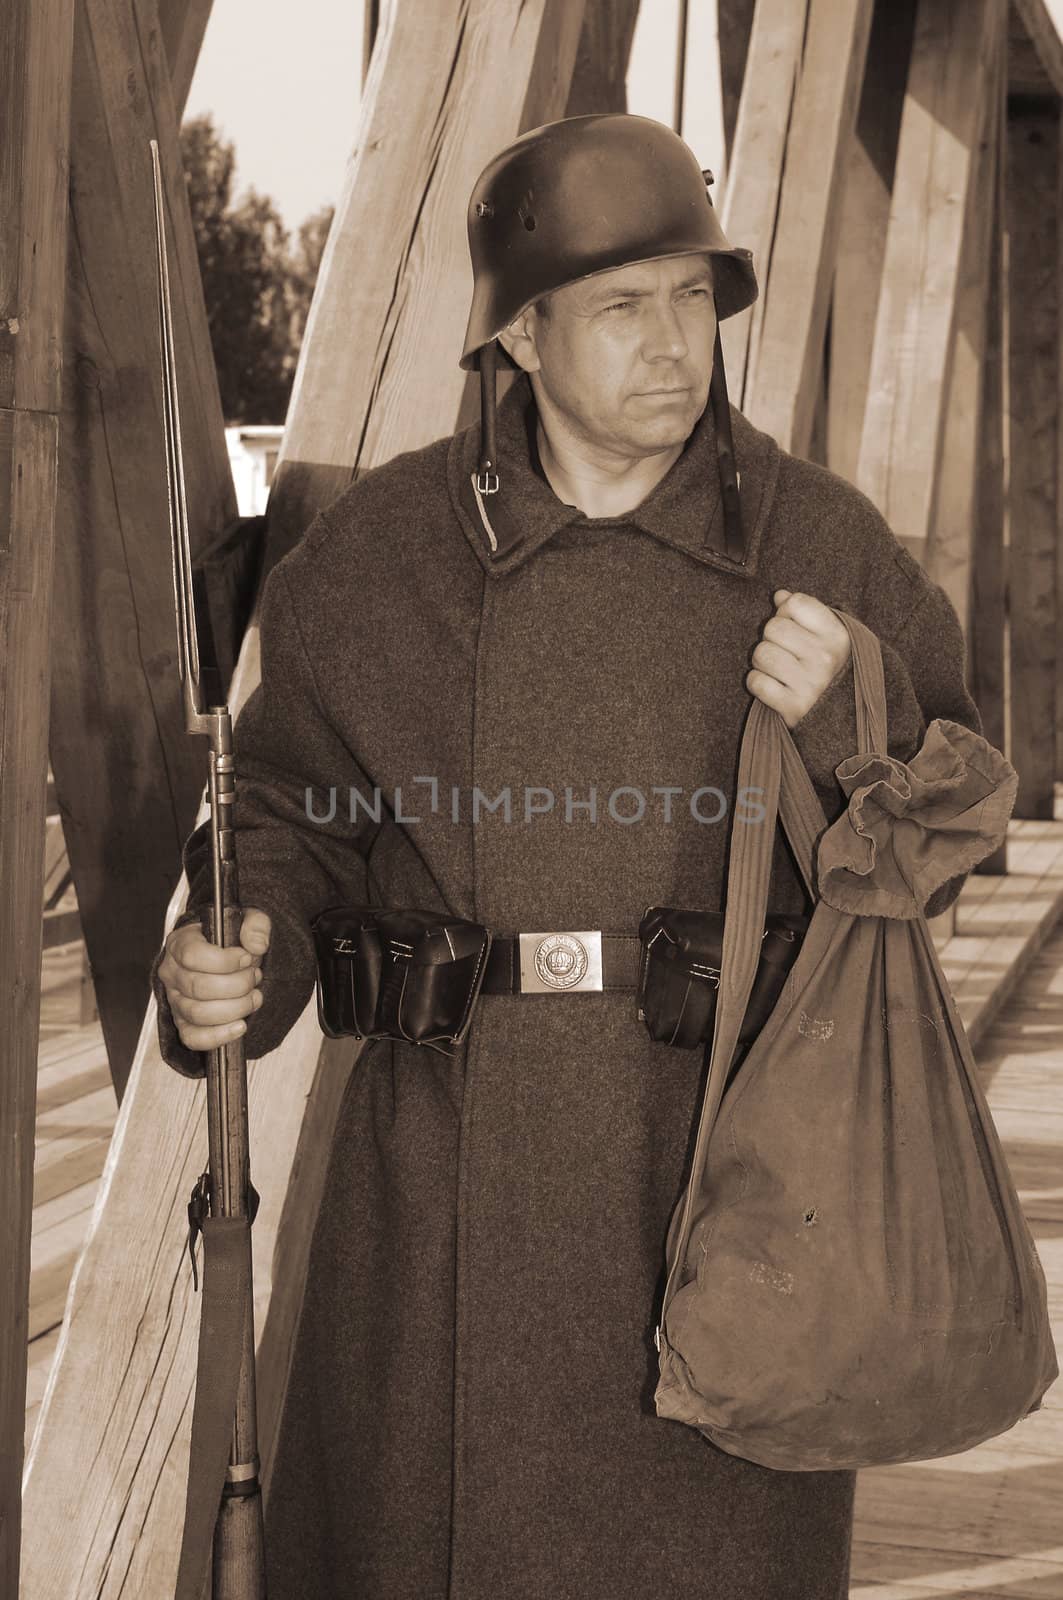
(224, 1500)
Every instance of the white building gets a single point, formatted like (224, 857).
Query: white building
(253, 453)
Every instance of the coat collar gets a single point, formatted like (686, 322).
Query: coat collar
(684, 510)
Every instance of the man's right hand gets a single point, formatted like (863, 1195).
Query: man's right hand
(211, 989)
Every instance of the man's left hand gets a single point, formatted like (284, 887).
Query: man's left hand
(802, 648)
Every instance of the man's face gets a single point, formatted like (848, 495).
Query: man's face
(625, 357)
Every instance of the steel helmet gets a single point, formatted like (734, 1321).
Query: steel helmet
(585, 195)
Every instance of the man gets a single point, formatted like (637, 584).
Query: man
(538, 640)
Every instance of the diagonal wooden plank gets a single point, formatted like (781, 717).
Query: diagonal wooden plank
(986, 633)
(1035, 493)
(784, 381)
(865, 219)
(183, 24)
(754, 180)
(35, 56)
(1043, 22)
(948, 552)
(910, 363)
(116, 1530)
(128, 779)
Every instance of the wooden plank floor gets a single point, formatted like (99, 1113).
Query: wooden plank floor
(76, 1110)
(985, 1525)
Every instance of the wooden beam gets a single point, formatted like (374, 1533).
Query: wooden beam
(988, 617)
(130, 1416)
(183, 24)
(950, 543)
(754, 181)
(948, 552)
(35, 52)
(784, 380)
(370, 25)
(599, 76)
(128, 777)
(862, 237)
(1042, 23)
(909, 379)
(735, 26)
(1034, 265)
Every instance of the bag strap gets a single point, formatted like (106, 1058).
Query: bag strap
(770, 762)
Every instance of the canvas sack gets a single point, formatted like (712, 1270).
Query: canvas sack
(851, 1280)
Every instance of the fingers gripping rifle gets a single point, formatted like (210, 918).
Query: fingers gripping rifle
(224, 1503)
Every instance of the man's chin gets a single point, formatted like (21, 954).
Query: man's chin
(665, 433)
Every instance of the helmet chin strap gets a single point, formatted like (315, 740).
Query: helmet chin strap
(734, 534)
(487, 480)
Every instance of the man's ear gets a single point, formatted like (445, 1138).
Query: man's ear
(518, 340)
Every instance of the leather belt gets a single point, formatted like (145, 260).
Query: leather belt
(561, 962)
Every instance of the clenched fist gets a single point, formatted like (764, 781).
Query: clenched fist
(210, 988)
(802, 647)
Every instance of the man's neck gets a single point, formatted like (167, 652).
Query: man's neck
(600, 487)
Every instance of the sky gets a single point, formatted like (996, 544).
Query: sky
(288, 97)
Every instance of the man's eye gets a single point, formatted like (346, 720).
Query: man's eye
(618, 305)
(703, 292)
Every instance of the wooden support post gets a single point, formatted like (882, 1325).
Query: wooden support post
(128, 777)
(1034, 266)
(735, 25)
(374, 384)
(754, 180)
(784, 378)
(1041, 24)
(35, 53)
(599, 76)
(948, 552)
(862, 239)
(183, 24)
(988, 614)
(1035, 68)
(909, 378)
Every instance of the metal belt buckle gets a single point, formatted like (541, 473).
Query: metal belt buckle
(560, 963)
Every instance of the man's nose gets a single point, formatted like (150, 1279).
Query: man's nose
(664, 339)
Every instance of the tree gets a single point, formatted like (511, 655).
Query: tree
(244, 262)
(304, 266)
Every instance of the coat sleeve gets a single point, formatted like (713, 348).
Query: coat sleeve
(924, 670)
(297, 849)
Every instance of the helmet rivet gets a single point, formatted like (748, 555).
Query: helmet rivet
(483, 209)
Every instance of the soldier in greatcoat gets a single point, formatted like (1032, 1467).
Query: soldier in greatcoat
(569, 605)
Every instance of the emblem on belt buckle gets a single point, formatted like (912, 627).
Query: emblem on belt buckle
(553, 963)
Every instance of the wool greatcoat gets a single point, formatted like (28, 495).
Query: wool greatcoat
(470, 1413)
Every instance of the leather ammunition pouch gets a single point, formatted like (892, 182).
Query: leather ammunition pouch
(679, 973)
(386, 974)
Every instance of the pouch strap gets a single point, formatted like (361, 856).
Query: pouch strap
(770, 762)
